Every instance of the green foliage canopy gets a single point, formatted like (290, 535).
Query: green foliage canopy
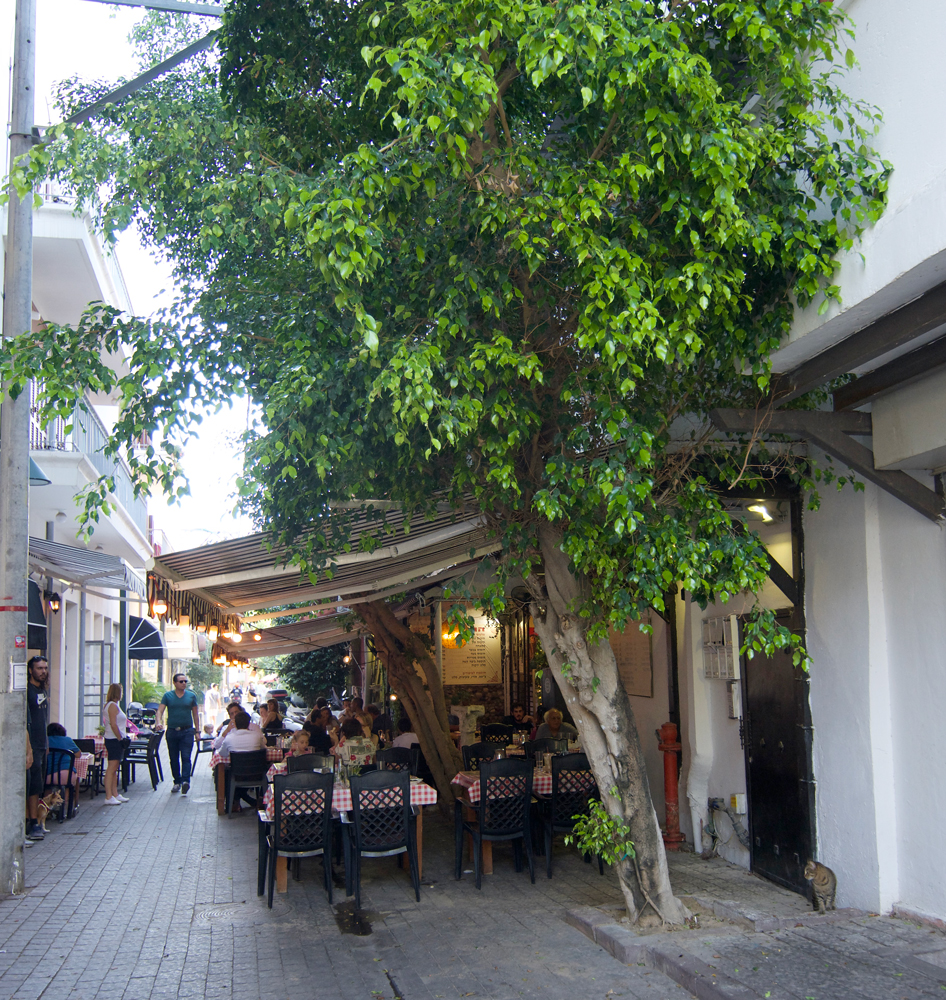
(505, 253)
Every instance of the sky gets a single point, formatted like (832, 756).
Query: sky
(91, 39)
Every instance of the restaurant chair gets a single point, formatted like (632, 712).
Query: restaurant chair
(547, 745)
(302, 823)
(502, 813)
(141, 752)
(247, 770)
(476, 754)
(272, 739)
(395, 759)
(496, 733)
(415, 760)
(60, 770)
(202, 744)
(382, 825)
(308, 762)
(93, 775)
(573, 789)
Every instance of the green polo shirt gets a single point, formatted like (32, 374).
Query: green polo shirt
(179, 709)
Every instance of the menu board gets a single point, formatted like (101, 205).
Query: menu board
(477, 661)
(633, 652)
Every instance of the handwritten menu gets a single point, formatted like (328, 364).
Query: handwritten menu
(477, 661)
(633, 652)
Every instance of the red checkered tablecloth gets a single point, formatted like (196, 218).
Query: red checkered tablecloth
(421, 795)
(470, 782)
(272, 754)
(83, 762)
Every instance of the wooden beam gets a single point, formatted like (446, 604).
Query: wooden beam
(886, 334)
(899, 372)
(830, 431)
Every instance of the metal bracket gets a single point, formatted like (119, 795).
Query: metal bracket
(830, 431)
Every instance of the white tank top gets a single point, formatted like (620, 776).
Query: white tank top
(121, 720)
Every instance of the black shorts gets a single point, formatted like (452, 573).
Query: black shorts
(114, 749)
(36, 775)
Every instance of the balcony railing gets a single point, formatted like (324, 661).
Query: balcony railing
(88, 437)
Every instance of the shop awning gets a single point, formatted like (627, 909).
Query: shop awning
(36, 618)
(83, 569)
(145, 641)
(249, 574)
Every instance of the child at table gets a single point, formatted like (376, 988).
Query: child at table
(299, 745)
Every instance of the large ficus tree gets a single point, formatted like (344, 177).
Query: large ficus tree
(507, 253)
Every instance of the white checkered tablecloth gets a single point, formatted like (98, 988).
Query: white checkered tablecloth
(470, 782)
(421, 795)
(272, 754)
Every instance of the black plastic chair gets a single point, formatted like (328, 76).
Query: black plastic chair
(502, 813)
(94, 774)
(396, 759)
(140, 752)
(545, 745)
(476, 754)
(302, 823)
(272, 739)
(383, 825)
(496, 733)
(573, 789)
(247, 770)
(58, 761)
(202, 744)
(308, 762)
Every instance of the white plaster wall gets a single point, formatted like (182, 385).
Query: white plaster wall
(877, 635)
(914, 563)
(838, 642)
(899, 47)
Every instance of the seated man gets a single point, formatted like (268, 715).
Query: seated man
(554, 728)
(227, 727)
(58, 740)
(241, 739)
(380, 721)
(406, 735)
(519, 721)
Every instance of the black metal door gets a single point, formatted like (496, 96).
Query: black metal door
(778, 767)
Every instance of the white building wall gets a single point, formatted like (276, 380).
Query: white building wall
(876, 574)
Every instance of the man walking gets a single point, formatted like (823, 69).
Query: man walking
(183, 723)
(37, 719)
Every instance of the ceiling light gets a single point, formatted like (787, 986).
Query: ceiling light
(212, 633)
(235, 637)
(160, 606)
(257, 636)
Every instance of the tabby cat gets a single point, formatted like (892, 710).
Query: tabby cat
(824, 884)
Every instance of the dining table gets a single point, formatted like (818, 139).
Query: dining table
(218, 767)
(422, 795)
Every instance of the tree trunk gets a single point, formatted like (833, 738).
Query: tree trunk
(608, 732)
(399, 648)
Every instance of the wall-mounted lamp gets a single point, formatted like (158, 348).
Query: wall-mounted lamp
(160, 607)
(761, 509)
(53, 600)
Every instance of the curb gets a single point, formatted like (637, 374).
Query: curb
(662, 951)
(753, 920)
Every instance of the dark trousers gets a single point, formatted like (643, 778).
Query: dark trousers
(180, 748)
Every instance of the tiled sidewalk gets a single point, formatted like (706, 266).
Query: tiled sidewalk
(157, 899)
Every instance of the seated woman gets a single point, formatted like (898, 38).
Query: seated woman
(270, 721)
(58, 740)
(353, 747)
(554, 728)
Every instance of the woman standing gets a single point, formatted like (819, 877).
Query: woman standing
(114, 721)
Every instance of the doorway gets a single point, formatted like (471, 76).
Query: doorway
(96, 677)
(777, 741)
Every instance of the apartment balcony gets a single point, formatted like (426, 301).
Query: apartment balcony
(75, 459)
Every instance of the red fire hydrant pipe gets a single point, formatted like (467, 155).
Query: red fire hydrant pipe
(670, 747)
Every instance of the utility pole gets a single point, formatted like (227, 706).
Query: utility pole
(14, 472)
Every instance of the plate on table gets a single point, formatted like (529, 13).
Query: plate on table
(417, 781)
